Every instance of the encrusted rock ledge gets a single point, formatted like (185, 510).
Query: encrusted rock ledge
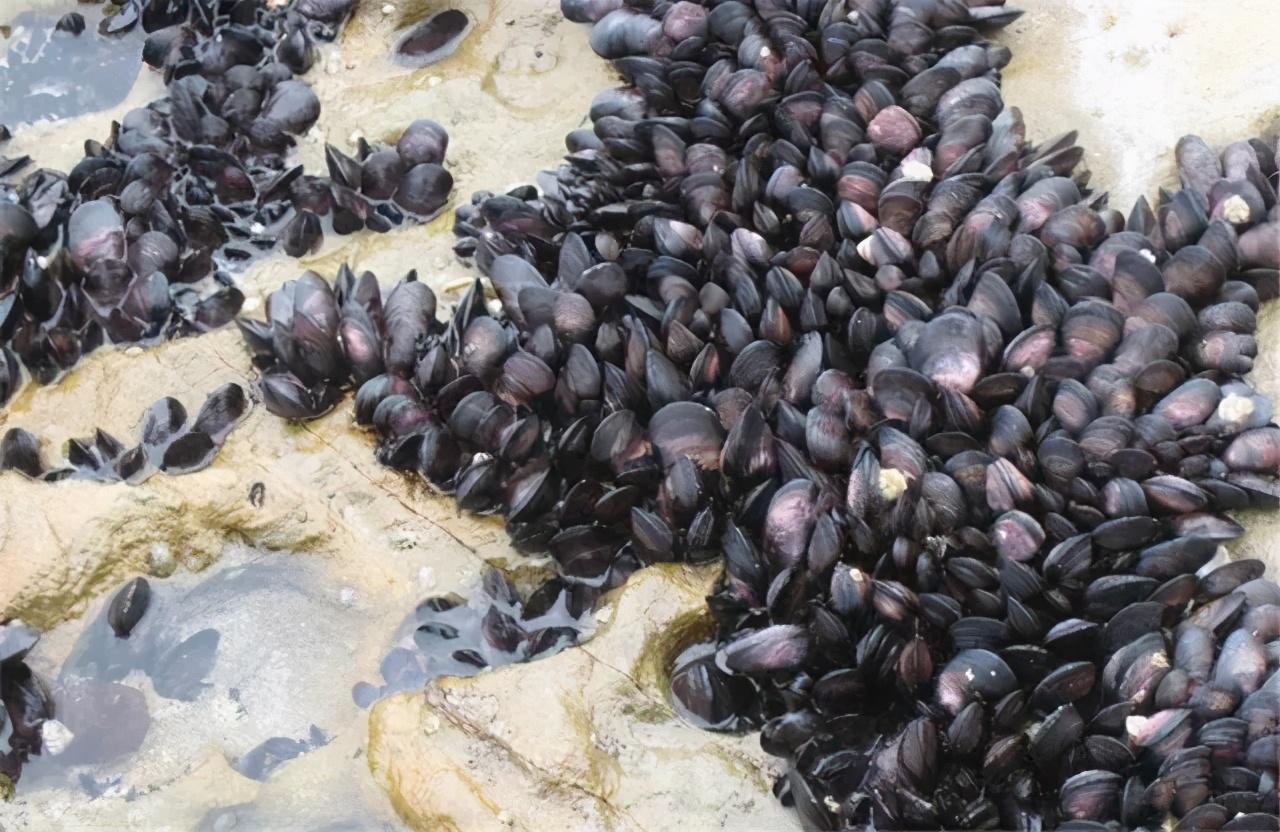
(64, 543)
(583, 740)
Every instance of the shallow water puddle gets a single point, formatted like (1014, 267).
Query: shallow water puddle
(46, 74)
(449, 636)
(244, 669)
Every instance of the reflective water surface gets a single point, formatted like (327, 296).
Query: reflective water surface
(46, 74)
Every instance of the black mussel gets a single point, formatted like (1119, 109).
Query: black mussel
(423, 142)
(381, 173)
(95, 233)
(424, 189)
(408, 316)
(72, 23)
(780, 647)
(222, 410)
(973, 675)
(286, 396)
(302, 235)
(20, 451)
(328, 11)
(291, 109)
(128, 606)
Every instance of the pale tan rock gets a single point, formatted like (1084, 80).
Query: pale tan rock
(61, 543)
(1134, 77)
(584, 740)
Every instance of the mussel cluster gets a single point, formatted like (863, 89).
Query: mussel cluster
(805, 299)
(965, 436)
(135, 244)
(167, 442)
(26, 700)
(319, 340)
(462, 637)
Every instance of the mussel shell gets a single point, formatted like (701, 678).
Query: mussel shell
(128, 606)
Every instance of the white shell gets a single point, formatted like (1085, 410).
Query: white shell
(55, 736)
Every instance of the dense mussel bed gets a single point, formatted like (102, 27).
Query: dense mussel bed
(967, 439)
(140, 240)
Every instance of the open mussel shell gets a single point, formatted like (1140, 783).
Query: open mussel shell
(432, 40)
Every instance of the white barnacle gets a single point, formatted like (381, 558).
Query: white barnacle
(916, 171)
(892, 483)
(1235, 408)
(1235, 210)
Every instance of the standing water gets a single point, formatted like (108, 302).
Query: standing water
(233, 686)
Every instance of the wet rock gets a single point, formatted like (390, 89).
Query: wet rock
(262, 760)
(55, 73)
(590, 757)
(108, 720)
(181, 671)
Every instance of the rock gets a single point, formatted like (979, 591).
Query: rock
(585, 739)
(106, 720)
(62, 544)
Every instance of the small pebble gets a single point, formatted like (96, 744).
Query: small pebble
(160, 560)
